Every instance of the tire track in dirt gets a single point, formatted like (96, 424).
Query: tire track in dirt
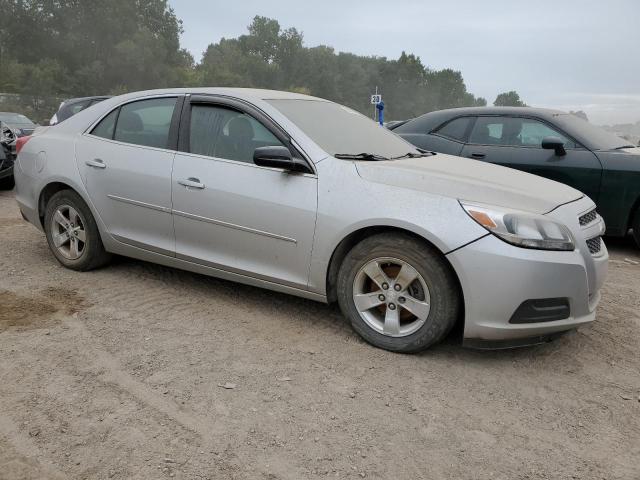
(111, 372)
(165, 293)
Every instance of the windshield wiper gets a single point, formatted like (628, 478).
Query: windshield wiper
(360, 156)
(423, 153)
(624, 146)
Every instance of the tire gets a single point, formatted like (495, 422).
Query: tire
(7, 183)
(90, 253)
(391, 252)
(636, 228)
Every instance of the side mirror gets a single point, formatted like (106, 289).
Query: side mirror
(278, 157)
(554, 143)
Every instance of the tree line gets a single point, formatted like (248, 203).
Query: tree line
(73, 48)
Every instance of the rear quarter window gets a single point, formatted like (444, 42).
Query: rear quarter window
(105, 128)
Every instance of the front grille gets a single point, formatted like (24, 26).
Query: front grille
(595, 245)
(588, 217)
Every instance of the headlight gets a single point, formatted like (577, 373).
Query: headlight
(522, 229)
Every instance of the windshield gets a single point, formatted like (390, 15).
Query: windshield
(14, 118)
(340, 130)
(593, 137)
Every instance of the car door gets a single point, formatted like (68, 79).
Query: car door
(516, 142)
(230, 213)
(125, 162)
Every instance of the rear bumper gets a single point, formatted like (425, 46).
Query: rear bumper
(26, 197)
(497, 278)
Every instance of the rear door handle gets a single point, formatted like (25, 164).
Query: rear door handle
(191, 182)
(478, 155)
(97, 163)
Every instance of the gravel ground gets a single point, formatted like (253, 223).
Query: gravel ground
(121, 373)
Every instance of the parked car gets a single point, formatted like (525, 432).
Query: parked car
(70, 107)
(7, 139)
(20, 124)
(549, 143)
(305, 196)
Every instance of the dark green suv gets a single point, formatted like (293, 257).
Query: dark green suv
(549, 143)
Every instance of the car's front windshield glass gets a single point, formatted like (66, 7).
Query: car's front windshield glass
(340, 130)
(14, 118)
(596, 137)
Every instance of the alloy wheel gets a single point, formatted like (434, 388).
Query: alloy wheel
(68, 232)
(391, 296)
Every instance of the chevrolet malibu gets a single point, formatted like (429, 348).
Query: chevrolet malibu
(304, 196)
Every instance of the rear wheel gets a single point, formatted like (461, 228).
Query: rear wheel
(398, 292)
(636, 228)
(72, 232)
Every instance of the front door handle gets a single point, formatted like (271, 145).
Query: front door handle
(478, 155)
(97, 163)
(191, 182)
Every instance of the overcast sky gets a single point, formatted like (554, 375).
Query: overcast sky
(568, 54)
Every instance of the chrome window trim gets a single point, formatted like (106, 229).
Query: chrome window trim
(226, 101)
(125, 102)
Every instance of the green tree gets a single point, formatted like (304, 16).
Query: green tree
(509, 99)
(97, 46)
(71, 48)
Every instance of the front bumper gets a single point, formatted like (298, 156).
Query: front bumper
(497, 278)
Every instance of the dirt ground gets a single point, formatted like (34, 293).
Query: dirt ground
(121, 373)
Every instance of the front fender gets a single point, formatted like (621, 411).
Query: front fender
(439, 220)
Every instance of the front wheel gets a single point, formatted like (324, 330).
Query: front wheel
(399, 293)
(72, 232)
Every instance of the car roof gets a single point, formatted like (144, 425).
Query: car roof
(538, 112)
(246, 93)
(431, 120)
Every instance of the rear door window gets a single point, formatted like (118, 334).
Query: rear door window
(146, 122)
(455, 129)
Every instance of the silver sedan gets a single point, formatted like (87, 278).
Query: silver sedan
(305, 196)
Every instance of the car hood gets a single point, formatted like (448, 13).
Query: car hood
(472, 181)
